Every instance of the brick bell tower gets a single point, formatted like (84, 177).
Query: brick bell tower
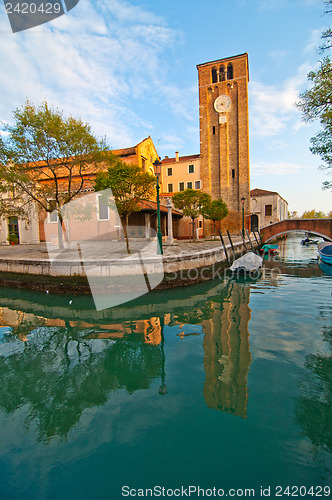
(224, 134)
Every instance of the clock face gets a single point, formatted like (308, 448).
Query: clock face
(222, 103)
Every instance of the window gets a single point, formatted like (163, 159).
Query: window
(230, 71)
(222, 76)
(170, 188)
(268, 209)
(13, 225)
(143, 162)
(200, 223)
(170, 171)
(213, 130)
(191, 169)
(181, 186)
(53, 215)
(189, 185)
(102, 208)
(197, 184)
(214, 75)
(233, 173)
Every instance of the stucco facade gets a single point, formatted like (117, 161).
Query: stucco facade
(35, 225)
(267, 207)
(180, 173)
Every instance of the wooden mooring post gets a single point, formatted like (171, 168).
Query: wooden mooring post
(260, 238)
(258, 245)
(224, 247)
(230, 240)
(248, 235)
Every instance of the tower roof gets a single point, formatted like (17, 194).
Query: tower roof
(226, 59)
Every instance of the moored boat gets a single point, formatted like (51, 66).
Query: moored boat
(325, 252)
(269, 249)
(248, 263)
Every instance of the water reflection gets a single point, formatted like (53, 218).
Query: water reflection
(57, 372)
(314, 406)
(58, 367)
(227, 356)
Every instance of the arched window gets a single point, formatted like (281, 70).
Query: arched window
(213, 130)
(214, 75)
(233, 173)
(230, 71)
(222, 76)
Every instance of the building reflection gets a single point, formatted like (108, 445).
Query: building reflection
(227, 355)
(71, 363)
(23, 324)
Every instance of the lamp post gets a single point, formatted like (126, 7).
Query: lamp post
(157, 171)
(242, 201)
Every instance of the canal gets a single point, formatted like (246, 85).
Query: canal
(226, 384)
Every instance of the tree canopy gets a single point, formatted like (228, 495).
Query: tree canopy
(129, 185)
(215, 210)
(191, 202)
(316, 102)
(312, 214)
(44, 156)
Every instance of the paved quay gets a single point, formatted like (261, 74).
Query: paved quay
(107, 264)
(105, 250)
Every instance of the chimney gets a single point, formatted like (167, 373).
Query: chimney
(176, 155)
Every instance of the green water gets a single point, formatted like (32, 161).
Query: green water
(226, 385)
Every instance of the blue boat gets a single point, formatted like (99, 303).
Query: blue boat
(325, 252)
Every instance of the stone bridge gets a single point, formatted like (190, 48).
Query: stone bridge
(318, 227)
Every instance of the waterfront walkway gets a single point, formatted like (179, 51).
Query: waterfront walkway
(109, 249)
(102, 260)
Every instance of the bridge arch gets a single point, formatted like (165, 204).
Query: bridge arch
(318, 227)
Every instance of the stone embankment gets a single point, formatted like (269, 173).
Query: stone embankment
(42, 267)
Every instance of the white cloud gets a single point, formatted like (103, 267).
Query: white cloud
(276, 168)
(93, 62)
(272, 106)
(314, 41)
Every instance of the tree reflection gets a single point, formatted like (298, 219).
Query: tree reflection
(57, 368)
(60, 372)
(314, 407)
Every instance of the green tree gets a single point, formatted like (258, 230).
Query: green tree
(129, 185)
(191, 202)
(216, 210)
(47, 158)
(316, 102)
(312, 214)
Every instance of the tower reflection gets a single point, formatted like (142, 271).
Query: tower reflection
(227, 355)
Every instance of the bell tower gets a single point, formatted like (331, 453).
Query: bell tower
(224, 134)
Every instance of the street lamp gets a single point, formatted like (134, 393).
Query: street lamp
(242, 201)
(157, 171)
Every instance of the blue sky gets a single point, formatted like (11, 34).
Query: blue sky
(129, 69)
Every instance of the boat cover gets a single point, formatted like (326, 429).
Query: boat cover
(248, 262)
